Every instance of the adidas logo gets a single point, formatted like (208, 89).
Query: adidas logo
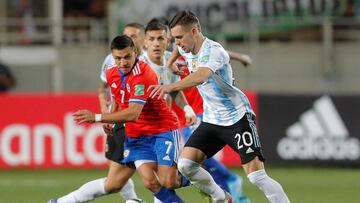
(113, 85)
(249, 150)
(166, 158)
(319, 134)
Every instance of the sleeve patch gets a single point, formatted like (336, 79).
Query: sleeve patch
(204, 59)
(139, 90)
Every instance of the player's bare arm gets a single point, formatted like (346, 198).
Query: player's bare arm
(114, 106)
(103, 105)
(242, 58)
(129, 114)
(171, 62)
(102, 96)
(197, 78)
(180, 100)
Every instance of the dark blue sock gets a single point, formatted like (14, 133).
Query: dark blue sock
(184, 181)
(168, 196)
(219, 172)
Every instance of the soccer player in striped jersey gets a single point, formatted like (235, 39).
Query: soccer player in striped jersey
(156, 56)
(152, 134)
(226, 179)
(156, 41)
(228, 118)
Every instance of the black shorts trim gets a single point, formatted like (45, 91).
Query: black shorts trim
(114, 149)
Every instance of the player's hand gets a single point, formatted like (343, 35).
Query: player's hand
(107, 128)
(190, 115)
(178, 67)
(158, 90)
(180, 72)
(83, 116)
(246, 60)
(177, 70)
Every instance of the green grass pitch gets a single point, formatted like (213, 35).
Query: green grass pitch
(302, 184)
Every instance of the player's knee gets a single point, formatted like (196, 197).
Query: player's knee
(256, 176)
(168, 182)
(187, 167)
(112, 186)
(152, 184)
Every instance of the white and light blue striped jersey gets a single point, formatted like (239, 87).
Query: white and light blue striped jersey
(164, 74)
(109, 61)
(224, 104)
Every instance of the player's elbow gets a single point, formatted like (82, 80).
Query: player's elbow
(102, 87)
(203, 75)
(202, 80)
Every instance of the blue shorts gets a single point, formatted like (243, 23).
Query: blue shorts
(187, 131)
(163, 148)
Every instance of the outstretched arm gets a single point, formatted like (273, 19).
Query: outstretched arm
(197, 78)
(114, 106)
(242, 58)
(129, 114)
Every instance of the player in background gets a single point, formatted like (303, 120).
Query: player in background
(118, 177)
(156, 56)
(228, 118)
(152, 134)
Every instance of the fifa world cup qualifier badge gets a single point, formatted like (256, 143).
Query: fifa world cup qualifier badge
(139, 90)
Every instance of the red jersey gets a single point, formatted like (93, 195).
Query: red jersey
(156, 117)
(192, 96)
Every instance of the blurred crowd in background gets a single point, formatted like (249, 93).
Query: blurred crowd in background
(28, 16)
(69, 27)
(71, 8)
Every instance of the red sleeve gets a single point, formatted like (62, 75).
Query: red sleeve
(140, 84)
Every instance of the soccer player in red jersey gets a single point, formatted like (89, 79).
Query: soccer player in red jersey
(152, 141)
(117, 180)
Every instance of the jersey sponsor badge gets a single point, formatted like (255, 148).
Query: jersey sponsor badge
(139, 90)
(113, 85)
(128, 87)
